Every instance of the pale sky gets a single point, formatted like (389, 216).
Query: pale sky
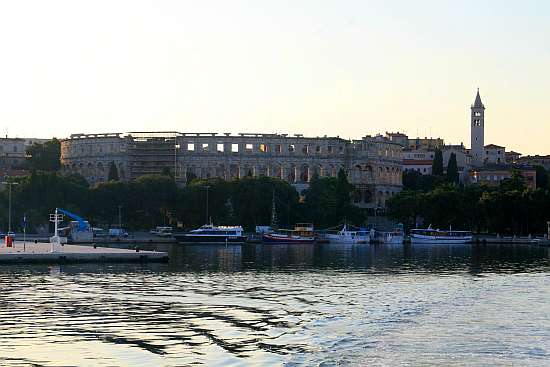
(347, 68)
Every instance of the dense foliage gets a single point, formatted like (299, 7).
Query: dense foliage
(156, 200)
(44, 156)
(507, 209)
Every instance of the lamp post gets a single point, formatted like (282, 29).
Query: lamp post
(176, 147)
(10, 184)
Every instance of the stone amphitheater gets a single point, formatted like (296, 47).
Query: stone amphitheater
(373, 163)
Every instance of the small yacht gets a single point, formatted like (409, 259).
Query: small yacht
(430, 235)
(210, 233)
(347, 235)
(302, 233)
(162, 231)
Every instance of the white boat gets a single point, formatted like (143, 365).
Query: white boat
(438, 236)
(394, 237)
(210, 233)
(162, 231)
(345, 235)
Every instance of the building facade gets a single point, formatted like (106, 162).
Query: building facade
(373, 164)
(494, 154)
(493, 175)
(535, 160)
(420, 161)
(13, 155)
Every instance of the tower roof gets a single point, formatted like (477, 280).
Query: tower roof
(478, 103)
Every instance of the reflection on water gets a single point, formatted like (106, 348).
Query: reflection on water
(284, 305)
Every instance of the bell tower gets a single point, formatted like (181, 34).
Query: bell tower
(477, 127)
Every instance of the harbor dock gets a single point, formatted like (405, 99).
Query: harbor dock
(41, 253)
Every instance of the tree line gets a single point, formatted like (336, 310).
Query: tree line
(509, 208)
(156, 200)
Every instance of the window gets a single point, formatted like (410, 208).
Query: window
(477, 114)
(219, 147)
(235, 148)
(205, 147)
(278, 148)
(190, 146)
(329, 149)
(263, 148)
(318, 149)
(477, 122)
(305, 149)
(291, 148)
(248, 147)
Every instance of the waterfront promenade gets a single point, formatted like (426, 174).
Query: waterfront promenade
(41, 253)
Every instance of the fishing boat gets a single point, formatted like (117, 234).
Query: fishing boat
(302, 233)
(210, 233)
(347, 235)
(438, 236)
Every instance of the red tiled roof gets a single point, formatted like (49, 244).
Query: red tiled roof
(414, 162)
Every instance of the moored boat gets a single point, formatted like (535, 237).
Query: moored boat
(302, 233)
(210, 233)
(394, 237)
(438, 236)
(347, 235)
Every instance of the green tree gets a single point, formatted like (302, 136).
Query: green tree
(542, 177)
(405, 207)
(166, 172)
(516, 182)
(44, 157)
(437, 164)
(113, 172)
(452, 169)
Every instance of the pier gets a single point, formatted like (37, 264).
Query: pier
(41, 253)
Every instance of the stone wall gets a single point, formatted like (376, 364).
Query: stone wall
(90, 155)
(373, 164)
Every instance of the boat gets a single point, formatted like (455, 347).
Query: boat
(210, 233)
(162, 231)
(394, 237)
(347, 235)
(302, 233)
(430, 235)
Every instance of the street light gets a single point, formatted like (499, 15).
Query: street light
(176, 147)
(10, 184)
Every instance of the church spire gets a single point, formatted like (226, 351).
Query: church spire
(478, 103)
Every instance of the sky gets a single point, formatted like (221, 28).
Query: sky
(315, 67)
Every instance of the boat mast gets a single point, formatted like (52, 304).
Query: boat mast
(274, 221)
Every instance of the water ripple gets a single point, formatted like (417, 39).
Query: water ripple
(323, 305)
